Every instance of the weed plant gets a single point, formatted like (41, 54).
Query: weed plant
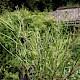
(28, 38)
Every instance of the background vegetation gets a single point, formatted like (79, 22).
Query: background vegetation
(33, 5)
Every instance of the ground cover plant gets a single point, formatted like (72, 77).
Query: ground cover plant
(31, 40)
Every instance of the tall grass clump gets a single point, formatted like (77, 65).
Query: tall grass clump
(29, 39)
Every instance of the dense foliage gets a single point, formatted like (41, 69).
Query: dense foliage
(35, 4)
(29, 38)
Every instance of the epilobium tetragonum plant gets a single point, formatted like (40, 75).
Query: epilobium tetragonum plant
(28, 38)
